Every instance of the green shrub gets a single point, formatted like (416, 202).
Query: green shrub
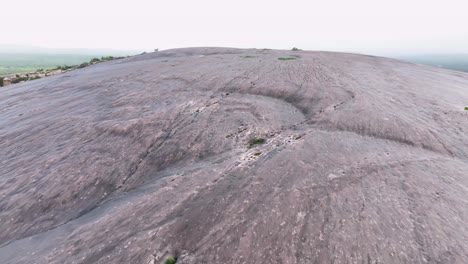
(248, 57)
(63, 68)
(94, 60)
(107, 58)
(256, 141)
(288, 58)
(1, 81)
(466, 108)
(82, 65)
(257, 153)
(170, 260)
(295, 49)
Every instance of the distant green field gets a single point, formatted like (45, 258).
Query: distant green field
(458, 62)
(20, 63)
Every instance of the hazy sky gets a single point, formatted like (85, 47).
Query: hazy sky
(370, 26)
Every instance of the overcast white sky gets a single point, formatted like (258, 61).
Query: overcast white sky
(370, 26)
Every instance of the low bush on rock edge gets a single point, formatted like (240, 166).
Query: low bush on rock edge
(170, 260)
(256, 141)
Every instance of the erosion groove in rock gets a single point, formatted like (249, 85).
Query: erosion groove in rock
(364, 160)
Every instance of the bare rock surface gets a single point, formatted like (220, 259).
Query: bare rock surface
(135, 160)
